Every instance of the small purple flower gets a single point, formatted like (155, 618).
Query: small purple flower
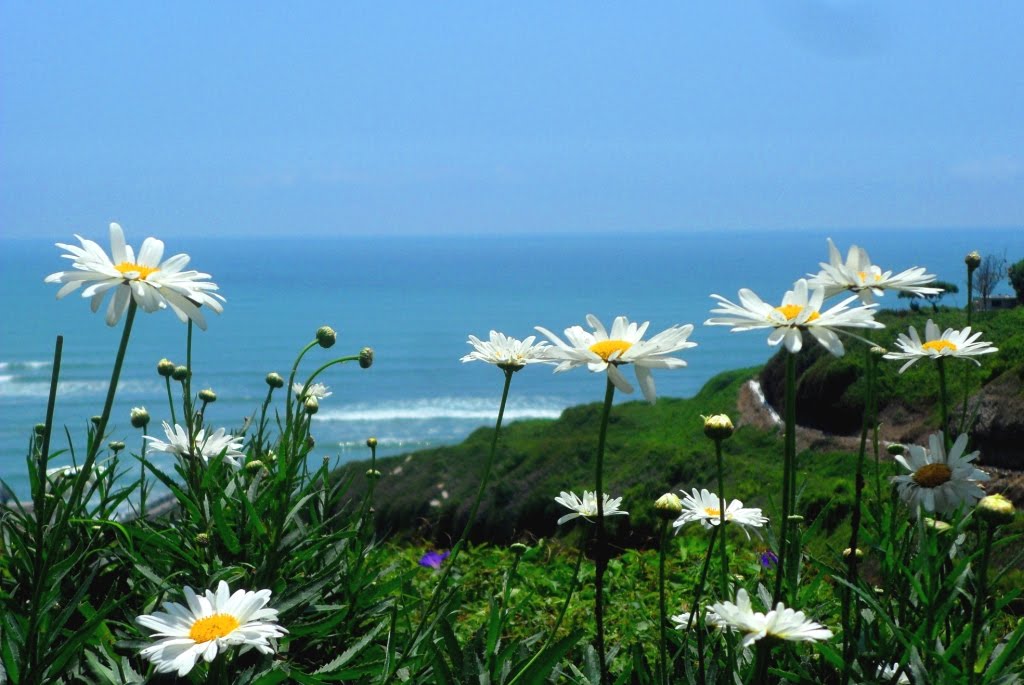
(433, 559)
(769, 558)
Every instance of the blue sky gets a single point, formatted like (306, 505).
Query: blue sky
(528, 117)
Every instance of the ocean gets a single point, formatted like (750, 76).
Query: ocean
(414, 300)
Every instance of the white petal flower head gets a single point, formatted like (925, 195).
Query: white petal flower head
(938, 482)
(507, 353)
(207, 446)
(705, 506)
(317, 391)
(800, 311)
(780, 623)
(857, 274)
(208, 625)
(152, 283)
(936, 345)
(601, 350)
(587, 507)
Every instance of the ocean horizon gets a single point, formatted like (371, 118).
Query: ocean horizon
(415, 300)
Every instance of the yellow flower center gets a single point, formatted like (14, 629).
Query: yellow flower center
(129, 268)
(791, 311)
(932, 475)
(864, 277)
(606, 348)
(939, 346)
(212, 627)
(711, 511)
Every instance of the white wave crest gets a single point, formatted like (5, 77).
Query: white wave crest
(65, 388)
(450, 408)
(12, 366)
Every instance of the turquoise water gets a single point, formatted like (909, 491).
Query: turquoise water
(414, 300)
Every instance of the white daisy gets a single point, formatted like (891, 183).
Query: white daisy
(799, 311)
(859, 275)
(604, 351)
(705, 506)
(780, 623)
(209, 625)
(938, 482)
(587, 507)
(153, 284)
(317, 391)
(56, 475)
(949, 343)
(207, 446)
(683, 620)
(506, 352)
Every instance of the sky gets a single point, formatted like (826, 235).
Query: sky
(344, 118)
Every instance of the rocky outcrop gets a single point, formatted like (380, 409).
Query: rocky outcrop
(998, 430)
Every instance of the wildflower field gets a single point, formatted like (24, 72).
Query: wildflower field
(250, 563)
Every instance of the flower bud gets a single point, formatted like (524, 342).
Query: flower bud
(310, 442)
(253, 466)
(326, 336)
(326, 461)
(165, 367)
(372, 474)
(518, 548)
(274, 380)
(995, 509)
(717, 427)
(371, 442)
(366, 357)
(848, 551)
(115, 445)
(668, 506)
(180, 373)
(937, 525)
(878, 350)
(896, 449)
(96, 420)
(39, 429)
(207, 395)
(139, 417)
(311, 405)
(972, 260)
(202, 539)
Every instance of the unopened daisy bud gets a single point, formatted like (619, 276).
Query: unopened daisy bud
(207, 395)
(937, 525)
(180, 373)
(39, 429)
(995, 509)
(371, 442)
(254, 466)
(311, 405)
(139, 417)
(848, 551)
(372, 474)
(165, 367)
(879, 351)
(796, 518)
(274, 380)
(668, 506)
(717, 427)
(366, 357)
(202, 539)
(326, 336)
(310, 442)
(972, 260)
(896, 449)
(518, 548)
(115, 445)
(96, 420)
(326, 461)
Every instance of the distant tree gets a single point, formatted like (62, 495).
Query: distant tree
(991, 271)
(947, 289)
(1016, 273)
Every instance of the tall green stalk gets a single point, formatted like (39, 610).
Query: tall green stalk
(788, 480)
(723, 575)
(662, 610)
(979, 604)
(601, 561)
(698, 593)
(944, 401)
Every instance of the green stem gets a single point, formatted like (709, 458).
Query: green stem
(561, 615)
(698, 593)
(291, 381)
(941, 363)
(979, 605)
(662, 611)
(849, 597)
(723, 575)
(788, 479)
(258, 446)
(970, 294)
(435, 596)
(601, 561)
(170, 400)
